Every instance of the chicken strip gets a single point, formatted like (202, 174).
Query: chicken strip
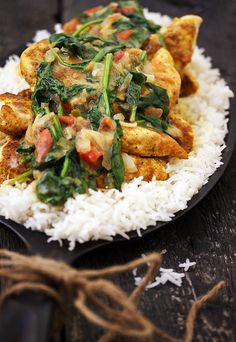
(180, 37)
(11, 164)
(189, 85)
(166, 75)
(146, 142)
(30, 60)
(148, 168)
(180, 129)
(15, 114)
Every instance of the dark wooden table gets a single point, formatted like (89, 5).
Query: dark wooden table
(207, 234)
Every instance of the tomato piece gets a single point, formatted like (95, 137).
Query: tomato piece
(128, 10)
(124, 35)
(67, 120)
(93, 10)
(44, 144)
(106, 124)
(91, 157)
(116, 9)
(118, 55)
(71, 25)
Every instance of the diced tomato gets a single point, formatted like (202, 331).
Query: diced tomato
(106, 124)
(93, 10)
(44, 144)
(128, 10)
(124, 35)
(67, 120)
(71, 25)
(118, 55)
(116, 9)
(91, 157)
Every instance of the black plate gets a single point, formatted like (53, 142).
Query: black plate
(36, 242)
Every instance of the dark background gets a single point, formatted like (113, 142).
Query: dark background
(207, 233)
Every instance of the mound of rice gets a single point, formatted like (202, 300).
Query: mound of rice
(102, 215)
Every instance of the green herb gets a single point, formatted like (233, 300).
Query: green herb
(61, 148)
(55, 190)
(157, 123)
(143, 57)
(77, 66)
(162, 40)
(117, 163)
(25, 149)
(51, 91)
(106, 50)
(94, 115)
(73, 45)
(21, 178)
(134, 92)
(65, 168)
(105, 83)
(56, 130)
(157, 98)
(123, 24)
(83, 27)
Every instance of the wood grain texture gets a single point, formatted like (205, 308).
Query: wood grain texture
(207, 234)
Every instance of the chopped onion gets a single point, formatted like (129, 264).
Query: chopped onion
(49, 56)
(128, 124)
(119, 116)
(129, 163)
(82, 142)
(87, 138)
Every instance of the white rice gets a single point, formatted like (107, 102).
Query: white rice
(102, 215)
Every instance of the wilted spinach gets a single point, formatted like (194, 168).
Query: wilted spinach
(157, 123)
(51, 91)
(117, 162)
(55, 190)
(157, 97)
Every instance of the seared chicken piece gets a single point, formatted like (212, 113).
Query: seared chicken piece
(189, 85)
(30, 60)
(180, 37)
(15, 114)
(11, 164)
(3, 138)
(148, 168)
(146, 142)
(181, 130)
(166, 75)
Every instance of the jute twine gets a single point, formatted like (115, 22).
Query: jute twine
(86, 289)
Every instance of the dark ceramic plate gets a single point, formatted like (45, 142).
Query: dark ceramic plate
(36, 242)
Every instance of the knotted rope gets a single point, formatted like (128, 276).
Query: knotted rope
(86, 289)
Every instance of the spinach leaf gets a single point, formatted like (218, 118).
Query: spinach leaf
(157, 97)
(157, 123)
(123, 24)
(94, 115)
(51, 91)
(134, 92)
(25, 149)
(106, 50)
(61, 148)
(117, 163)
(73, 45)
(135, 87)
(52, 189)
